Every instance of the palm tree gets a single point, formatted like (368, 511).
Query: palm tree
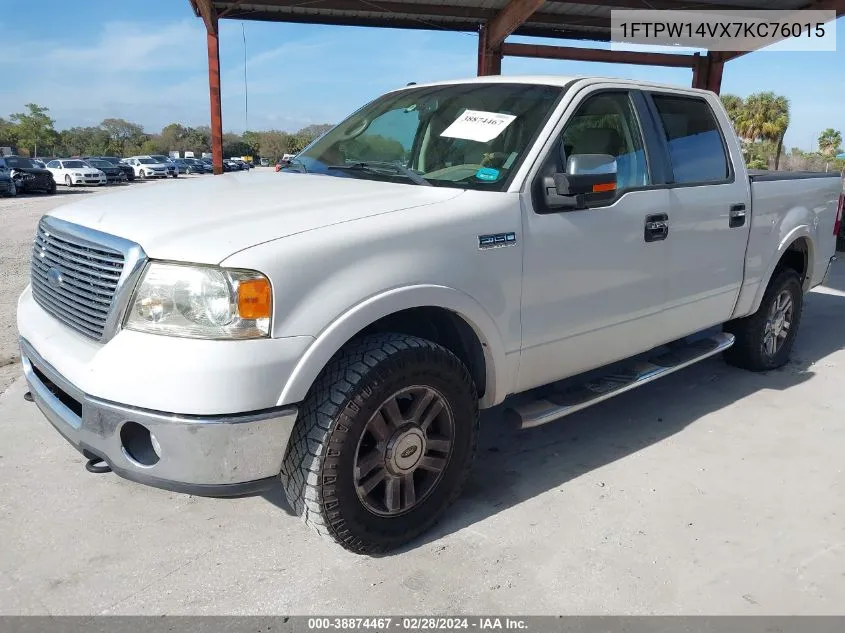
(734, 106)
(765, 117)
(830, 141)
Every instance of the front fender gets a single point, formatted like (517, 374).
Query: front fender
(346, 325)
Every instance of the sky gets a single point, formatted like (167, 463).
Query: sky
(87, 61)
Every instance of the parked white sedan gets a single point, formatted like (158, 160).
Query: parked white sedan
(147, 167)
(75, 172)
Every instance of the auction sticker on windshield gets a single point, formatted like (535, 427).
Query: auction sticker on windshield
(477, 125)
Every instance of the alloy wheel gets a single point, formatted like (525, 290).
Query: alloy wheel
(403, 451)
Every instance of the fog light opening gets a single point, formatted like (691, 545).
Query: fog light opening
(139, 444)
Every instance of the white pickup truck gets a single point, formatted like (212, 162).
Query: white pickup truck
(335, 328)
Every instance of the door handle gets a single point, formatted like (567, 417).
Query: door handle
(736, 216)
(656, 227)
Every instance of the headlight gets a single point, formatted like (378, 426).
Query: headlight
(201, 302)
(77, 174)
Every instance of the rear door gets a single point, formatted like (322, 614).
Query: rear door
(709, 212)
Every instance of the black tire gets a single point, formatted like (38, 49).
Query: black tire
(52, 189)
(318, 473)
(747, 351)
(13, 190)
(840, 243)
(68, 181)
(141, 174)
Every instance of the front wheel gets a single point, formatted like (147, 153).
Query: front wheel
(68, 181)
(764, 340)
(383, 443)
(13, 190)
(52, 188)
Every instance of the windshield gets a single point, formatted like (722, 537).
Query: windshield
(100, 163)
(461, 135)
(76, 164)
(161, 159)
(19, 162)
(146, 161)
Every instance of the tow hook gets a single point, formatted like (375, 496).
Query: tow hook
(28, 397)
(97, 466)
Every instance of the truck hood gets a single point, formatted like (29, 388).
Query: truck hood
(207, 219)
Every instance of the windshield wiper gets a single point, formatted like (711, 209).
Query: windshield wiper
(410, 174)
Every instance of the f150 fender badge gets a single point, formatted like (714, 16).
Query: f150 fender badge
(496, 240)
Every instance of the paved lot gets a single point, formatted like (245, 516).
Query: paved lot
(711, 491)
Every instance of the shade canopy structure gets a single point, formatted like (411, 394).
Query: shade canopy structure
(494, 21)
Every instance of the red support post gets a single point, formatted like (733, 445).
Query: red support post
(214, 95)
(707, 72)
(489, 60)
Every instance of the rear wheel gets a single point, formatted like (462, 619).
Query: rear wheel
(764, 340)
(383, 443)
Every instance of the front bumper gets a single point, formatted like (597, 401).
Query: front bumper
(82, 180)
(216, 455)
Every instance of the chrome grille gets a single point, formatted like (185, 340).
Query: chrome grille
(74, 280)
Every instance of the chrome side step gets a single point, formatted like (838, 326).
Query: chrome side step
(557, 405)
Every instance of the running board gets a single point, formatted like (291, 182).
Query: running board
(557, 405)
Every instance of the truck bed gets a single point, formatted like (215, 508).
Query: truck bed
(764, 175)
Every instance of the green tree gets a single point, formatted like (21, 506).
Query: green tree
(8, 133)
(253, 139)
(830, 142)
(34, 127)
(273, 144)
(310, 132)
(83, 141)
(764, 117)
(125, 137)
(235, 147)
(734, 106)
(152, 145)
(173, 137)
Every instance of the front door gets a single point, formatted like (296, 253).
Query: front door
(594, 280)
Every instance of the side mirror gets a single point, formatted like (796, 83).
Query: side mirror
(585, 173)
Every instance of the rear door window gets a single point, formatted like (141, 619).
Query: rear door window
(696, 147)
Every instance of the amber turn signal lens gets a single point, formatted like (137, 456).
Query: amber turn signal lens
(606, 186)
(255, 299)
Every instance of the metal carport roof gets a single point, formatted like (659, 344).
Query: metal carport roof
(494, 21)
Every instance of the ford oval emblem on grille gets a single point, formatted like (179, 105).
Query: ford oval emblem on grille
(54, 277)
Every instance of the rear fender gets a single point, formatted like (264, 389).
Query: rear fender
(801, 231)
